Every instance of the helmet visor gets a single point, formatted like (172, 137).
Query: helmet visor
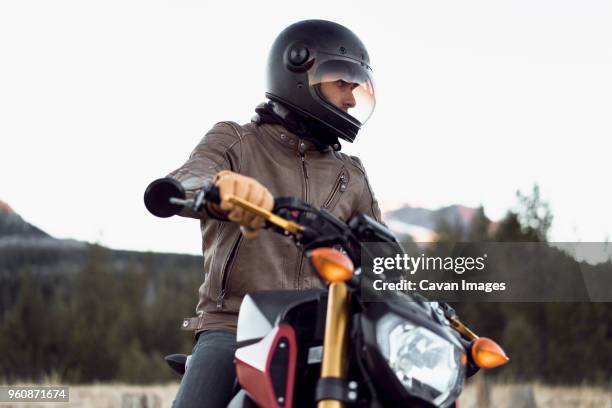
(346, 85)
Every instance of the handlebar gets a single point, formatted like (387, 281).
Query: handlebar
(310, 227)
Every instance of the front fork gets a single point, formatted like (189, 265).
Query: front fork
(335, 340)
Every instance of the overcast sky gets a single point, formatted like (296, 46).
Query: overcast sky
(475, 99)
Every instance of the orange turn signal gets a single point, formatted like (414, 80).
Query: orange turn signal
(488, 354)
(331, 264)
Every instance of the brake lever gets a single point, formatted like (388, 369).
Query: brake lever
(210, 193)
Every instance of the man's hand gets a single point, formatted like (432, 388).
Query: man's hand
(249, 189)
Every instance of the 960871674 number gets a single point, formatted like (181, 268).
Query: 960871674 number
(34, 394)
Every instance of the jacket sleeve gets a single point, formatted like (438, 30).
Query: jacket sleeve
(366, 203)
(218, 150)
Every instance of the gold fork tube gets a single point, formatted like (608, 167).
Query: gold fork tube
(334, 343)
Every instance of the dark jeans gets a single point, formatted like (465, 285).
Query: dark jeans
(209, 379)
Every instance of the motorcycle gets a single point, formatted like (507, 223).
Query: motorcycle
(335, 347)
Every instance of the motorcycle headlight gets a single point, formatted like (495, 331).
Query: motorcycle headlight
(429, 366)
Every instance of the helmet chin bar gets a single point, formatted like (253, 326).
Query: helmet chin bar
(349, 133)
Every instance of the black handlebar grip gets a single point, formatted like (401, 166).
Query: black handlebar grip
(157, 197)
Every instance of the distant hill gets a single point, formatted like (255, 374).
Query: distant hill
(15, 232)
(11, 224)
(23, 245)
(421, 223)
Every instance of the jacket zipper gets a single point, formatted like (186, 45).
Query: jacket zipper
(339, 186)
(305, 171)
(226, 271)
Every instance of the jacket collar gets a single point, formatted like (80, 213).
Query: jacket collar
(286, 138)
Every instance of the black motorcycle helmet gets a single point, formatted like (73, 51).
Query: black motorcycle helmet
(307, 60)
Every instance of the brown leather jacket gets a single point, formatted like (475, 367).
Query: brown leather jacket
(287, 166)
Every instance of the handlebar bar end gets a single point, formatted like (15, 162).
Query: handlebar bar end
(158, 194)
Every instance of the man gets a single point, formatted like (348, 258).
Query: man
(320, 89)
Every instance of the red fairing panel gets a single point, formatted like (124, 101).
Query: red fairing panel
(253, 367)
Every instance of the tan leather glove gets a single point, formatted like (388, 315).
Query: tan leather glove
(249, 189)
